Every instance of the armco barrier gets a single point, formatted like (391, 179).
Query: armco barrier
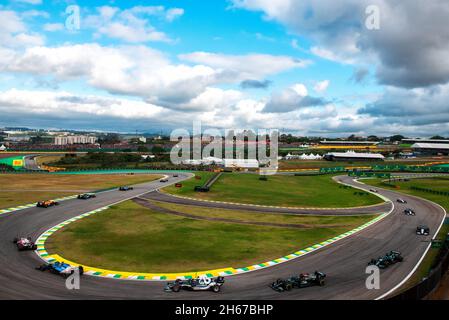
(428, 190)
(429, 284)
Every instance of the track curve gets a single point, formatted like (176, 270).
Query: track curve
(165, 197)
(344, 261)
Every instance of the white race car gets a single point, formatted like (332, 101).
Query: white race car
(199, 284)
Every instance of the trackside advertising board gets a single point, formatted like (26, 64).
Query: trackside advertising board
(15, 162)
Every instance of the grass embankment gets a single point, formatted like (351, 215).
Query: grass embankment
(251, 216)
(47, 159)
(129, 237)
(280, 190)
(438, 184)
(20, 189)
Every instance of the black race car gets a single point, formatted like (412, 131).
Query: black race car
(423, 231)
(24, 244)
(409, 212)
(402, 201)
(304, 280)
(87, 196)
(126, 188)
(199, 284)
(389, 259)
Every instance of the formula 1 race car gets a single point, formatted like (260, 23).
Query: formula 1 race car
(409, 212)
(304, 280)
(401, 201)
(199, 284)
(389, 259)
(47, 203)
(24, 244)
(423, 231)
(163, 180)
(87, 196)
(126, 188)
(60, 268)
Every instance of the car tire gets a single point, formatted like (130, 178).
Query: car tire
(176, 288)
(34, 248)
(216, 288)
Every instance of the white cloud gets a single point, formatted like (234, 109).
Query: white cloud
(11, 22)
(33, 2)
(321, 86)
(133, 32)
(14, 33)
(65, 104)
(292, 99)
(144, 72)
(131, 25)
(51, 27)
(35, 13)
(173, 14)
(243, 67)
(295, 44)
(300, 89)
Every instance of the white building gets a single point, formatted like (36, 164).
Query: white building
(75, 139)
(303, 157)
(241, 163)
(226, 163)
(351, 156)
(431, 148)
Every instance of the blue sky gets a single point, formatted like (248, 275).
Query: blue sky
(308, 67)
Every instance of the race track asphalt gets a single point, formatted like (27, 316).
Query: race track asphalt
(344, 262)
(165, 197)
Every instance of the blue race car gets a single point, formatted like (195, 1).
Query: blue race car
(60, 268)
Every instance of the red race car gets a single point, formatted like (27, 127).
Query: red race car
(24, 244)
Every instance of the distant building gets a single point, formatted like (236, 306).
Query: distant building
(241, 163)
(303, 157)
(353, 156)
(431, 148)
(15, 137)
(433, 141)
(349, 143)
(75, 139)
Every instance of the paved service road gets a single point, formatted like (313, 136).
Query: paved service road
(344, 262)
